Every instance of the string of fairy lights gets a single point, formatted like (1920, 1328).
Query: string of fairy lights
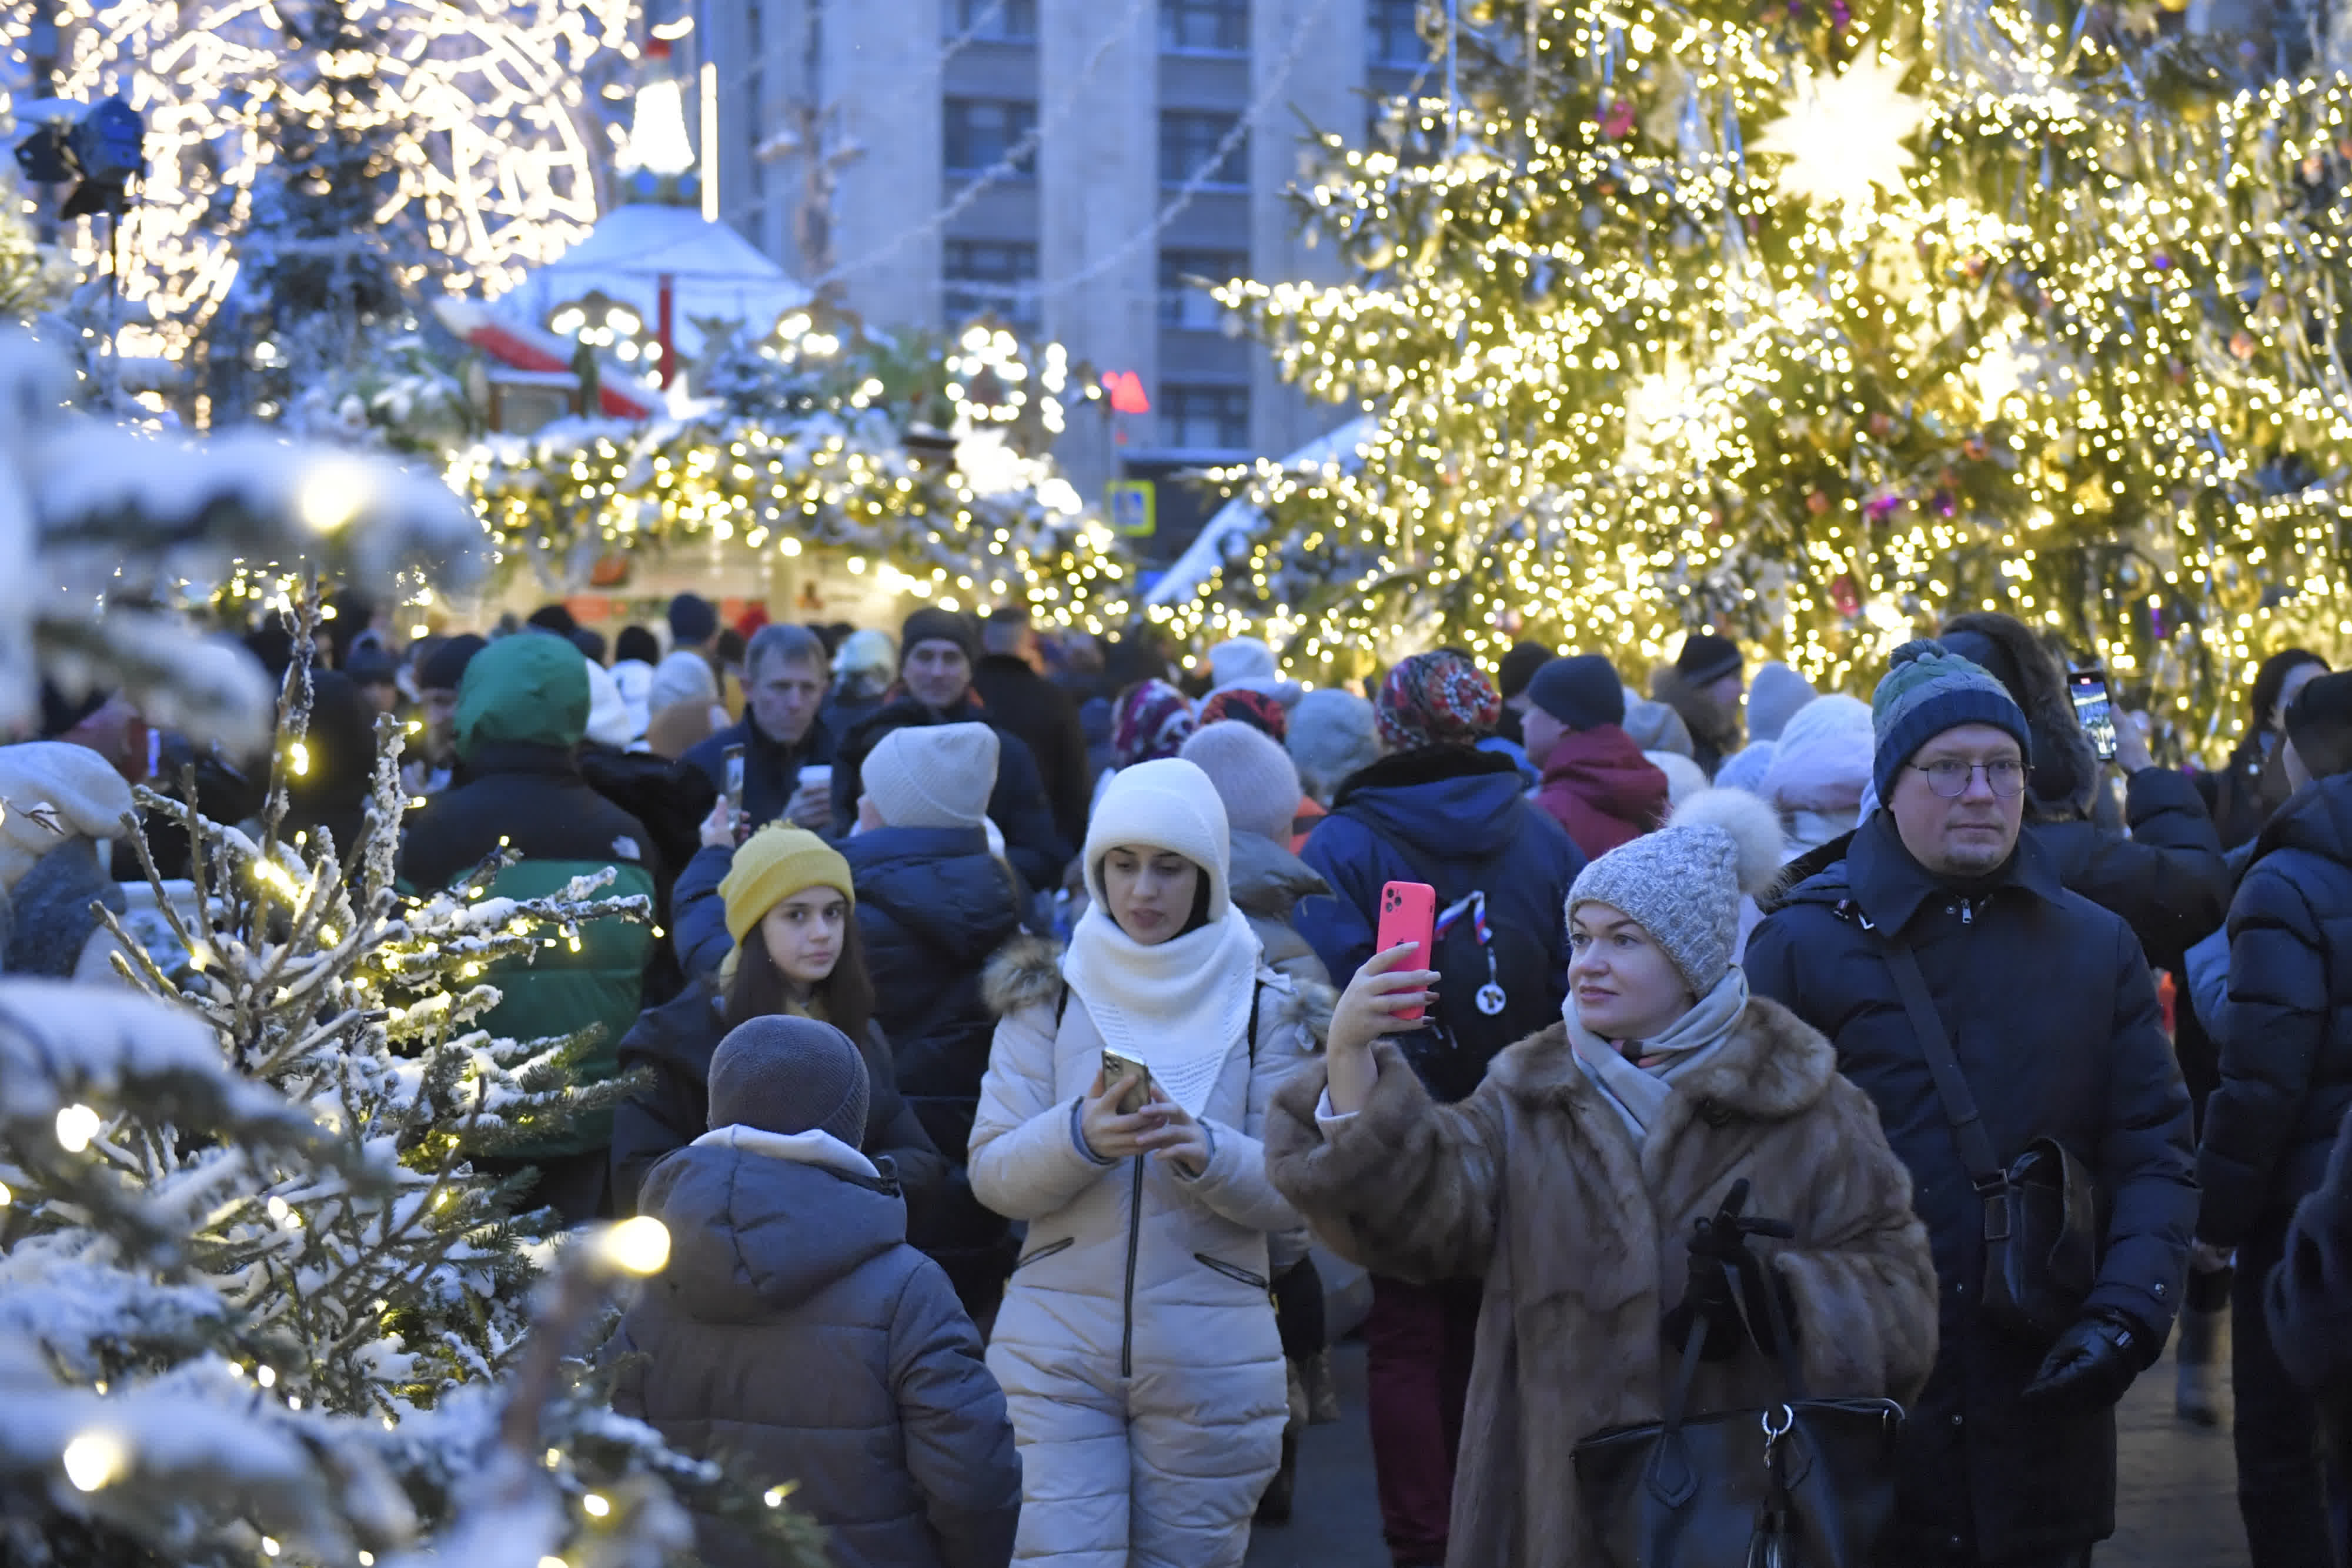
(964, 525)
(1642, 354)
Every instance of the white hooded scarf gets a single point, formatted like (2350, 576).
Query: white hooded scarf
(1180, 1006)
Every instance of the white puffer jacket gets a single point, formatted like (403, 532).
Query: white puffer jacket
(1189, 1285)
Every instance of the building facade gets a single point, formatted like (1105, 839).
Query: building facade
(1080, 167)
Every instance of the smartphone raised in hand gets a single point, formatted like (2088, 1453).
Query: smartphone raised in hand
(732, 762)
(2095, 708)
(1409, 914)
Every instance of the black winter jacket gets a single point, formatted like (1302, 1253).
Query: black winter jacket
(772, 769)
(1020, 700)
(675, 1041)
(2285, 1031)
(795, 1333)
(2049, 1006)
(1017, 805)
(2309, 1301)
(2166, 880)
(933, 905)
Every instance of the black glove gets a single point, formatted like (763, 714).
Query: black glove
(1726, 1286)
(2093, 1363)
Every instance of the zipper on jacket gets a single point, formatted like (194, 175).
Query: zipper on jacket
(1134, 1245)
(1968, 912)
(1234, 1272)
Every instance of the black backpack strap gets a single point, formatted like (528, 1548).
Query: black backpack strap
(1249, 1031)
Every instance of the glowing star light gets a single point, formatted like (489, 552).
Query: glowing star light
(1844, 135)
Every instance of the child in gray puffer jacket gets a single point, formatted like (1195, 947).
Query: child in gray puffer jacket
(796, 1333)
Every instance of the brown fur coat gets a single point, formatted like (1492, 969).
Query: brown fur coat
(1535, 1182)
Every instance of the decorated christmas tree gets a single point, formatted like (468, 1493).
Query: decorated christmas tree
(1816, 321)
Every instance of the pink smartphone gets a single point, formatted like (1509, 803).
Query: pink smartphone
(1409, 914)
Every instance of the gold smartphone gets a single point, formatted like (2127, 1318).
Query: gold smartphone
(1118, 1067)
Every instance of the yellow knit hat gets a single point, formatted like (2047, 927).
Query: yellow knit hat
(770, 867)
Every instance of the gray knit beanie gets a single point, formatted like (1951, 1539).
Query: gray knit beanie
(1254, 777)
(1683, 883)
(1928, 689)
(932, 775)
(787, 1074)
(1333, 734)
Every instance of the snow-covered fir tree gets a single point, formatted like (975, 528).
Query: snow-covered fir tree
(256, 1303)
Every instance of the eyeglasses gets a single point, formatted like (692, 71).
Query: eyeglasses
(1950, 778)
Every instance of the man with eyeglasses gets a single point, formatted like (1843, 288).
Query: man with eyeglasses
(2009, 1457)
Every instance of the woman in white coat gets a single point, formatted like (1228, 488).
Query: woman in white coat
(1136, 1345)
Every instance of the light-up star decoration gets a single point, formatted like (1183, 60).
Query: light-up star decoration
(1842, 136)
(484, 106)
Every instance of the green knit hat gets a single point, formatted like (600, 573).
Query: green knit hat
(1928, 690)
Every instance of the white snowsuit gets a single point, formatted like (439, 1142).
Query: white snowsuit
(1136, 1345)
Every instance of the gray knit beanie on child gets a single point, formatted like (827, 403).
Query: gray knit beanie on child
(787, 1074)
(1683, 883)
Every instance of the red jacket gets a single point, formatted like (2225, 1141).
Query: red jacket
(1599, 786)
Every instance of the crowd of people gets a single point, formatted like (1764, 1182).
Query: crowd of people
(1015, 1034)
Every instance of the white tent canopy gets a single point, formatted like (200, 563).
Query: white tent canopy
(714, 272)
(1238, 519)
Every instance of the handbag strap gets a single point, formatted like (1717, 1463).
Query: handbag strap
(1951, 1084)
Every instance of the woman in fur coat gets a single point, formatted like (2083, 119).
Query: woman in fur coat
(1572, 1180)
(1136, 1345)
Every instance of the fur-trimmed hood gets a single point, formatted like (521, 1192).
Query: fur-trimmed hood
(1027, 973)
(2065, 768)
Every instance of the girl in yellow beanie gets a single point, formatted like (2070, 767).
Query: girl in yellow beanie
(790, 907)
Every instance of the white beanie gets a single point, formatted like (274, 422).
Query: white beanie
(683, 677)
(1254, 777)
(1248, 663)
(1824, 759)
(50, 791)
(609, 720)
(1167, 804)
(1684, 777)
(932, 775)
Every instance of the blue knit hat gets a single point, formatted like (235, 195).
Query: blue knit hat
(1928, 690)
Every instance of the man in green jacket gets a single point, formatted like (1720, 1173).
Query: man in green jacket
(522, 709)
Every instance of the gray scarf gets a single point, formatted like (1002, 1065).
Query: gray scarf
(1639, 1094)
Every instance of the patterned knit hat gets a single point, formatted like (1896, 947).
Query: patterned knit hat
(1928, 690)
(1683, 883)
(1432, 699)
(787, 1074)
(1260, 711)
(1151, 722)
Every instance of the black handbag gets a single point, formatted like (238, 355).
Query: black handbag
(2040, 1237)
(1806, 1483)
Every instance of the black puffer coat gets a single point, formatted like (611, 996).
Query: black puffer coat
(2049, 1007)
(675, 1041)
(797, 1334)
(2167, 880)
(2286, 1029)
(933, 907)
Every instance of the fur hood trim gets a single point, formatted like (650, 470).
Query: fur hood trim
(1027, 972)
(1773, 1067)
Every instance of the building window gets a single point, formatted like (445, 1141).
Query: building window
(991, 21)
(1204, 27)
(1187, 307)
(990, 275)
(1189, 139)
(1205, 419)
(1391, 36)
(981, 130)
